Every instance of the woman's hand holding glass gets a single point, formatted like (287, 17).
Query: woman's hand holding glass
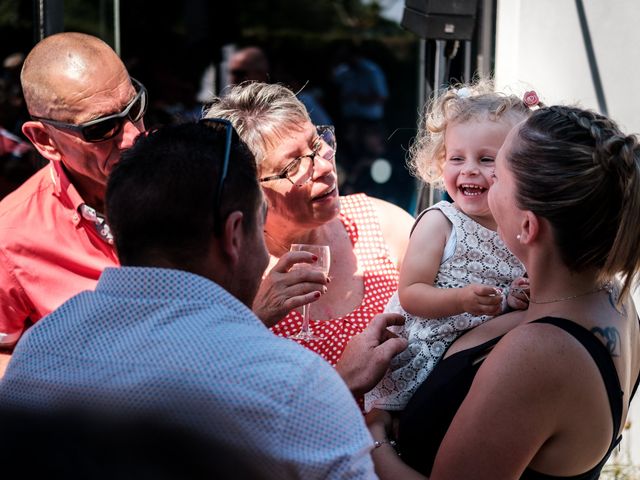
(321, 263)
(286, 288)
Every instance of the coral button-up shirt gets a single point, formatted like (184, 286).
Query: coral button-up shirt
(48, 250)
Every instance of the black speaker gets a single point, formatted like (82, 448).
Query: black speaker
(440, 19)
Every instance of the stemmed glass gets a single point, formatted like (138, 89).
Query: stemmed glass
(323, 263)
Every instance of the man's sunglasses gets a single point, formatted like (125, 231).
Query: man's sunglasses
(105, 128)
(215, 123)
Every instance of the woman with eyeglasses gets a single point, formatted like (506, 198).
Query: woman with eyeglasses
(367, 236)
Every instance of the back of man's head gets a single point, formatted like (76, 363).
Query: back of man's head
(161, 197)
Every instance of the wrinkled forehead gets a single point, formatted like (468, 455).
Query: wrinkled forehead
(274, 135)
(284, 143)
(284, 132)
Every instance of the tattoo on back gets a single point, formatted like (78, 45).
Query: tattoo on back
(610, 337)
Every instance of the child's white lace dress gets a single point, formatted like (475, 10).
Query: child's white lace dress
(473, 254)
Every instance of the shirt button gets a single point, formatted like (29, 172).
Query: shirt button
(75, 218)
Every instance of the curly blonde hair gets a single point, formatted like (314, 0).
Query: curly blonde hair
(459, 103)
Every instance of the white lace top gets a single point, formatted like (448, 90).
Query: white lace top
(479, 257)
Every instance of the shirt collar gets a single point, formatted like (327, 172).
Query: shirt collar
(167, 284)
(62, 186)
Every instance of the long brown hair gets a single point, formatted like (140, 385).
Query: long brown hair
(576, 169)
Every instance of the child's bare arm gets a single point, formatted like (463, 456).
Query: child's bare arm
(416, 291)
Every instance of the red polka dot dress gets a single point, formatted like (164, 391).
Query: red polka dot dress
(360, 220)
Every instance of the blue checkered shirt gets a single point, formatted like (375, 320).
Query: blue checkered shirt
(162, 340)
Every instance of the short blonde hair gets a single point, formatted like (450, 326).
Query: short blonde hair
(458, 103)
(261, 113)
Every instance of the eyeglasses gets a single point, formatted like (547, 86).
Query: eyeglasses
(300, 171)
(105, 128)
(215, 122)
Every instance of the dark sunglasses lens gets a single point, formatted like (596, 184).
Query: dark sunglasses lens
(103, 130)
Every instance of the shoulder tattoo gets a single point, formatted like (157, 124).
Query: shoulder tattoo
(610, 337)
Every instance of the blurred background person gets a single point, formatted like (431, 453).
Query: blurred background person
(248, 64)
(18, 159)
(362, 92)
(17, 162)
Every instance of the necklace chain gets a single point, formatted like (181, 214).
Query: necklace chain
(605, 286)
(278, 244)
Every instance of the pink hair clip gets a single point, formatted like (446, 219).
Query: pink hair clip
(530, 99)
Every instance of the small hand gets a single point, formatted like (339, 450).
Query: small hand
(478, 299)
(285, 288)
(380, 424)
(367, 356)
(518, 298)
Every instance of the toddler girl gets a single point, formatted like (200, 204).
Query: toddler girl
(456, 271)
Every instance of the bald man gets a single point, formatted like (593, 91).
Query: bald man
(249, 63)
(85, 110)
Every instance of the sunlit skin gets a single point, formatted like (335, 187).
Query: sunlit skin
(471, 149)
(309, 214)
(88, 83)
(89, 164)
(313, 204)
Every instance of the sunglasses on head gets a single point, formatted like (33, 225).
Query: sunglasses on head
(228, 129)
(107, 127)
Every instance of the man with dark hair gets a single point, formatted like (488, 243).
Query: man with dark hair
(171, 331)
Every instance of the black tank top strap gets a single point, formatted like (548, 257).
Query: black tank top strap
(602, 358)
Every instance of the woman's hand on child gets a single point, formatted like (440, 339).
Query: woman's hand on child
(478, 299)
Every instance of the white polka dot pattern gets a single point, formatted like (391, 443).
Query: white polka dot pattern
(480, 257)
(360, 220)
(178, 345)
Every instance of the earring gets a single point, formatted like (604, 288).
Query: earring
(518, 237)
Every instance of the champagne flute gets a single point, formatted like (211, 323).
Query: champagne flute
(323, 263)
